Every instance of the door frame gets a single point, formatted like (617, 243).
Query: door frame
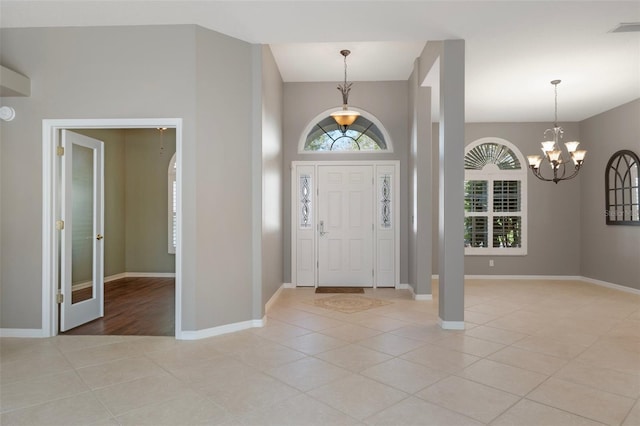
(50, 237)
(395, 217)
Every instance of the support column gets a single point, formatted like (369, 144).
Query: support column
(451, 186)
(423, 194)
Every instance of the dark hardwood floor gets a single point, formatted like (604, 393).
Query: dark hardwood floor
(134, 306)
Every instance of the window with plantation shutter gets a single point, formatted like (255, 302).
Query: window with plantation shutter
(494, 199)
(172, 204)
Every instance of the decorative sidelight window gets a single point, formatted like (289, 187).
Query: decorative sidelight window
(305, 201)
(494, 198)
(385, 201)
(622, 204)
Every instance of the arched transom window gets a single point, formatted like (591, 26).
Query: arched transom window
(366, 134)
(495, 187)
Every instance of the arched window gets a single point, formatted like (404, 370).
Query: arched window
(366, 134)
(621, 185)
(495, 198)
(172, 201)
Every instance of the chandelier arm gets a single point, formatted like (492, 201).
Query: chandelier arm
(536, 173)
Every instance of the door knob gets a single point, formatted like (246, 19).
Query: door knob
(99, 237)
(321, 229)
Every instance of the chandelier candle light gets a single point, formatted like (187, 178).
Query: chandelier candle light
(553, 154)
(345, 117)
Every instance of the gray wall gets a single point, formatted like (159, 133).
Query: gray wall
(272, 170)
(136, 197)
(136, 72)
(221, 212)
(608, 252)
(146, 211)
(553, 210)
(387, 101)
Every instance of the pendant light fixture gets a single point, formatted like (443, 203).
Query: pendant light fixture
(345, 117)
(553, 152)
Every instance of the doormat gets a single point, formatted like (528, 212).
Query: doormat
(347, 303)
(354, 290)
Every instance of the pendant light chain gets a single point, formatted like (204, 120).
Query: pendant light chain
(555, 122)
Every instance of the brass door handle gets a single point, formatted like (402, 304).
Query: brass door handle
(99, 237)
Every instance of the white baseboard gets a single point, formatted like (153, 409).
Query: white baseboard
(525, 277)
(223, 329)
(139, 275)
(273, 299)
(611, 285)
(115, 277)
(451, 325)
(23, 332)
(288, 285)
(553, 278)
(413, 294)
(80, 286)
(423, 297)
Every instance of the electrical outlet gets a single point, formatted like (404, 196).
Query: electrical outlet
(491, 262)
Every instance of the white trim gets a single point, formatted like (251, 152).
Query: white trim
(366, 114)
(491, 176)
(421, 297)
(451, 325)
(525, 277)
(294, 212)
(50, 128)
(110, 278)
(414, 296)
(223, 329)
(81, 286)
(28, 333)
(139, 275)
(553, 278)
(288, 285)
(273, 299)
(115, 277)
(611, 285)
(149, 274)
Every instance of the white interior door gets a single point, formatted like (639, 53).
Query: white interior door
(345, 226)
(81, 239)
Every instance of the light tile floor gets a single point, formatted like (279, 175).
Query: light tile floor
(541, 353)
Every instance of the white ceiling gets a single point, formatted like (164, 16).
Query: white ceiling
(513, 48)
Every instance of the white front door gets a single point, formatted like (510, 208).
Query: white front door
(81, 239)
(345, 226)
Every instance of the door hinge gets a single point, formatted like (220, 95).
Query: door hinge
(59, 151)
(372, 273)
(59, 297)
(59, 225)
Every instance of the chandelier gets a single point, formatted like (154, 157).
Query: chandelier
(553, 154)
(345, 117)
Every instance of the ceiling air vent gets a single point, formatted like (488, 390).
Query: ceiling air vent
(626, 27)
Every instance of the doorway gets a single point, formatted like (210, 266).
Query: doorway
(53, 273)
(345, 223)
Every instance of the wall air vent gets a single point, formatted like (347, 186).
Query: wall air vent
(626, 27)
